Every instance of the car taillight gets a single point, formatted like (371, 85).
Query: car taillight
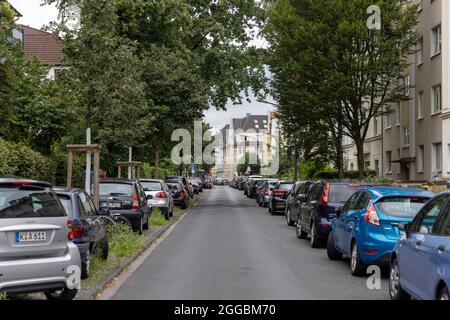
(182, 194)
(161, 195)
(371, 216)
(266, 192)
(280, 193)
(326, 193)
(75, 232)
(135, 204)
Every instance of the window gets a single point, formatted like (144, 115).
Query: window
(442, 226)
(389, 119)
(363, 201)
(437, 99)
(375, 126)
(420, 159)
(350, 205)
(420, 105)
(420, 51)
(407, 82)
(436, 34)
(388, 161)
(426, 218)
(406, 136)
(398, 110)
(437, 157)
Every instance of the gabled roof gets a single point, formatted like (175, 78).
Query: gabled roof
(41, 45)
(251, 122)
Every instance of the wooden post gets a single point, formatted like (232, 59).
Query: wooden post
(138, 173)
(96, 178)
(69, 170)
(119, 174)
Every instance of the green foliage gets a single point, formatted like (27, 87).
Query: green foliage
(18, 160)
(353, 175)
(249, 160)
(123, 242)
(3, 296)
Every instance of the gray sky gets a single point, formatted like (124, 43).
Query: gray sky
(36, 16)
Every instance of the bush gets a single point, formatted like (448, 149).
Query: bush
(18, 160)
(123, 242)
(157, 218)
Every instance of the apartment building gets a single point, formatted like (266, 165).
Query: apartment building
(413, 142)
(252, 134)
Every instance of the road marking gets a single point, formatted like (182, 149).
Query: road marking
(114, 286)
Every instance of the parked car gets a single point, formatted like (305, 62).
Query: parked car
(367, 227)
(36, 248)
(89, 233)
(241, 184)
(319, 209)
(263, 195)
(208, 184)
(179, 194)
(184, 182)
(295, 198)
(249, 183)
(195, 185)
(252, 189)
(200, 184)
(278, 196)
(161, 196)
(420, 263)
(128, 198)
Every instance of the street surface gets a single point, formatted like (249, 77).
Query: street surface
(229, 248)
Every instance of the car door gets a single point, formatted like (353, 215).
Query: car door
(339, 223)
(309, 207)
(299, 198)
(86, 214)
(353, 219)
(415, 249)
(99, 227)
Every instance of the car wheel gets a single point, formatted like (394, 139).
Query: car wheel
(444, 295)
(63, 294)
(272, 211)
(288, 218)
(166, 214)
(300, 233)
(357, 267)
(86, 265)
(105, 248)
(395, 289)
(315, 241)
(146, 225)
(332, 252)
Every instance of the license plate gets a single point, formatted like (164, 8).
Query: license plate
(114, 205)
(31, 236)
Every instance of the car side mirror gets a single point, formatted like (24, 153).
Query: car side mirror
(404, 227)
(338, 212)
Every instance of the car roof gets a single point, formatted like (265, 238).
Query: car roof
(25, 181)
(151, 180)
(117, 180)
(65, 190)
(379, 192)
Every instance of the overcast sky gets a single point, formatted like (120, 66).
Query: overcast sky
(36, 16)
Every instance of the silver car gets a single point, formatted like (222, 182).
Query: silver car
(161, 196)
(36, 251)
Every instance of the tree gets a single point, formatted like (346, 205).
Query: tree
(350, 73)
(248, 161)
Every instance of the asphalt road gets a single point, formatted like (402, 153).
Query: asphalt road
(228, 248)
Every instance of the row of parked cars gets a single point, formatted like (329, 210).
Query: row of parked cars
(46, 231)
(406, 229)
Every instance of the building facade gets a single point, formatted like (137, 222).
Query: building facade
(412, 143)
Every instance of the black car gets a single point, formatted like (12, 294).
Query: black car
(128, 198)
(180, 194)
(278, 196)
(252, 188)
(295, 199)
(241, 183)
(89, 233)
(319, 208)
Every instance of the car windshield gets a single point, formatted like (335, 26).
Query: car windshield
(66, 202)
(116, 189)
(29, 202)
(286, 186)
(151, 186)
(402, 207)
(340, 193)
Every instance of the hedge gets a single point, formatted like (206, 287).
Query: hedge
(18, 160)
(331, 175)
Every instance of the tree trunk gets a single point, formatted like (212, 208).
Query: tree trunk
(340, 151)
(296, 155)
(157, 153)
(360, 151)
(87, 180)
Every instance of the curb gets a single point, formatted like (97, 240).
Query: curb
(91, 292)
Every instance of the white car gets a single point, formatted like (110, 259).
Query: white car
(161, 196)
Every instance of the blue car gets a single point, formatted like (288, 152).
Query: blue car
(367, 227)
(420, 263)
